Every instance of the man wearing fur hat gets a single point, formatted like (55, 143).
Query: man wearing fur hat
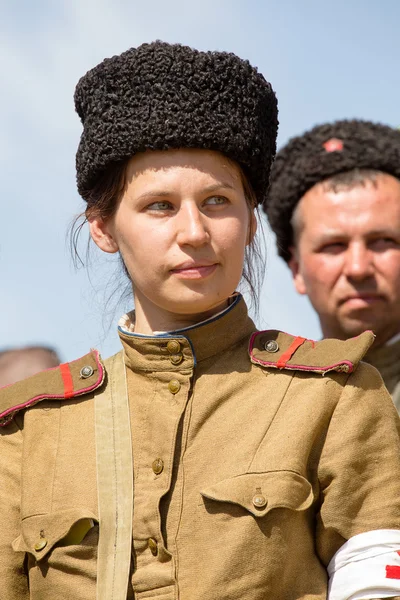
(334, 206)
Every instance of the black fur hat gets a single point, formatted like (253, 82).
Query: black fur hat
(160, 96)
(320, 153)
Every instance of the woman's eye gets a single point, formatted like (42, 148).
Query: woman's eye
(216, 201)
(161, 205)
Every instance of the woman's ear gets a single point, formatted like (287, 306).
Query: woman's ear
(102, 236)
(252, 228)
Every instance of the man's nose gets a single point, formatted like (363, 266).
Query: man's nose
(358, 262)
(192, 226)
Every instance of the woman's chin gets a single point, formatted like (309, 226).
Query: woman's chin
(198, 306)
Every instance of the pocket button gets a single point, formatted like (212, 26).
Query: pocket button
(40, 545)
(153, 546)
(259, 501)
(174, 386)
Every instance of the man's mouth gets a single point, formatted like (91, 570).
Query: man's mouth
(362, 300)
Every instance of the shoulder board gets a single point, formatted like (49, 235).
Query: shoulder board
(66, 381)
(283, 351)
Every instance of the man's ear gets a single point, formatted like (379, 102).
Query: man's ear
(102, 236)
(295, 267)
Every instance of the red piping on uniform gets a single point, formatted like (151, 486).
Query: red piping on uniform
(318, 369)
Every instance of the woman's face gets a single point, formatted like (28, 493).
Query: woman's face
(181, 226)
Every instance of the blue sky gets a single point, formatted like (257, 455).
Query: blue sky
(326, 59)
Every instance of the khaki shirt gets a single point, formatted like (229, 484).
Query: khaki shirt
(247, 478)
(387, 360)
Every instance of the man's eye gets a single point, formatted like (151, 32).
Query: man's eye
(333, 248)
(216, 200)
(384, 243)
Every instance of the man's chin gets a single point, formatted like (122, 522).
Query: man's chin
(352, 327)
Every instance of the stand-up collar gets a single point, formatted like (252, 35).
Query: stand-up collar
(182, 349)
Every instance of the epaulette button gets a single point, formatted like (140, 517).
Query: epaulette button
(271, 346)
(86, 372)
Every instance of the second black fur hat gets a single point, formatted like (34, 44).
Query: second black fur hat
(320, 153)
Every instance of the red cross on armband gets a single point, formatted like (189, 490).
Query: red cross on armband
(393, 571)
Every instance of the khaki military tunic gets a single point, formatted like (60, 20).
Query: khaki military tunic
(387, 360)
(255, 457)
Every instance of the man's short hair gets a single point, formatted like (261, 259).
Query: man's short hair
(344, 181)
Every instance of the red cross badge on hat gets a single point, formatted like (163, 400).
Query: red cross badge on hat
(333, 145)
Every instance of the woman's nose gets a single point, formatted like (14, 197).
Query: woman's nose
(192, 226)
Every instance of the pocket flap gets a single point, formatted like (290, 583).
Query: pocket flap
(40, 533)
(261, 492)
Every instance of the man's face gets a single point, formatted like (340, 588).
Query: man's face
(347, 257)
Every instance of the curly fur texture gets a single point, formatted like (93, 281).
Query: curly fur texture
(305, 161)
(160, 96)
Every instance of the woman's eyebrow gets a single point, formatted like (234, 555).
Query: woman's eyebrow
(214, 187)
(218, 186)
(154, 194)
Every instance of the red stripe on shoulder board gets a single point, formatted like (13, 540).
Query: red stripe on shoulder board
(67, 380)
(298, 341)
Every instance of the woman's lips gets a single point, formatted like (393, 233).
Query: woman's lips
(194, 271)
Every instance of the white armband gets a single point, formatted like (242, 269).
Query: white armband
(366, 566)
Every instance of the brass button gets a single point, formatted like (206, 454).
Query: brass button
(42, 543)
(86, 372)
(173, 347)
(174, 386)
(157, 466)
(271, 346)
(259, 501)
(176, 359)
(153, 546)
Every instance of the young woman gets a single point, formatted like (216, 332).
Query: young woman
(206, 460)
